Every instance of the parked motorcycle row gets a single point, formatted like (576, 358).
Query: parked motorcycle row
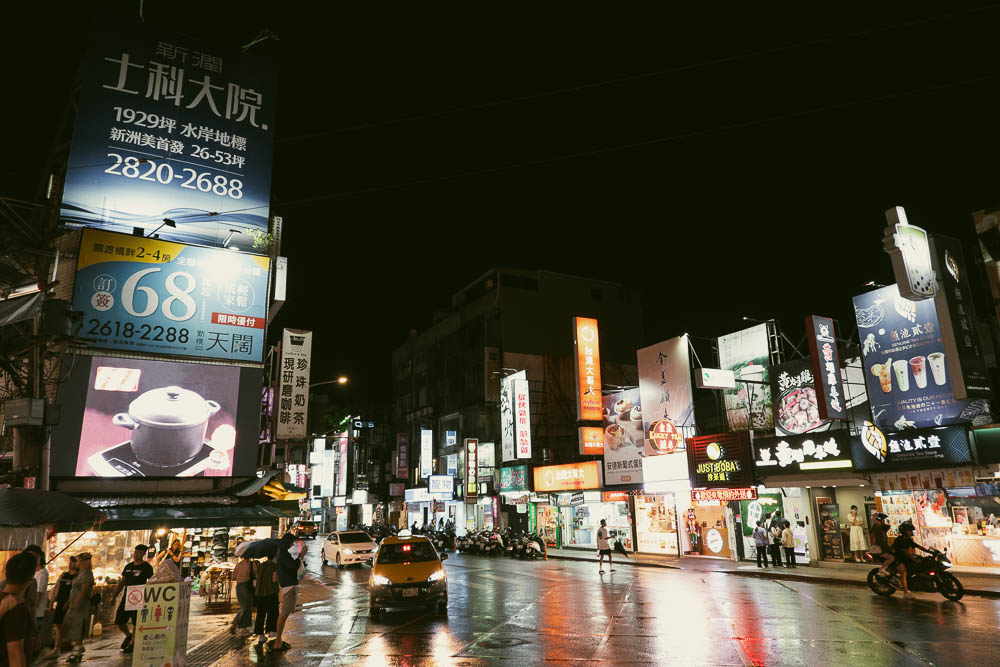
(502, 543)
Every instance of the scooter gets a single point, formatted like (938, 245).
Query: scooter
(534, 548)
(931, 576)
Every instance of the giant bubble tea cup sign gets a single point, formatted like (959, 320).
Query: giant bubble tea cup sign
(151, 296)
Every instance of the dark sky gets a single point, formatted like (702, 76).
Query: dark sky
(722, 163)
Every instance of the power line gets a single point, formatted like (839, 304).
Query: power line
(635, 77)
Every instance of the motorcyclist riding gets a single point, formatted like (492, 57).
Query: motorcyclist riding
(903, 548)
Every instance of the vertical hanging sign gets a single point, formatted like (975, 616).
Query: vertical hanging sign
(508, 446)
(293, 396)
(403, 455)
(826, 368)
(522, 418)
(588, 369)
(471, 469)
(426, 451)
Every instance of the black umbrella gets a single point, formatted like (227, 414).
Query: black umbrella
(620, 548)
(258, 548)
(33, 507)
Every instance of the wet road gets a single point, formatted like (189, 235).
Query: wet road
(514, 612)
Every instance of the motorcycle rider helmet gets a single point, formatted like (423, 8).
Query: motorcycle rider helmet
(881, 517)
(906, 527)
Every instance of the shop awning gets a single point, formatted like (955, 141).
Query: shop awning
(178, 511)
(271, 486)
(33, 507)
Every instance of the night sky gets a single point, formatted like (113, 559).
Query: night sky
(724, 164)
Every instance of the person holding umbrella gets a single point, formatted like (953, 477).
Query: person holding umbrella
(267, 598)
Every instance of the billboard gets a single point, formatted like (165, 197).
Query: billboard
(171, 128)
(293, 391)
(666, 396)
(884, 451)
(143, 418)
(588, 368)
(746, 354)
(157, 297)
(720, 461)
(829, 385)
(906, 364)
(568, 477)
(441, 486)
(342, 445)
(796, 453)
(522, 418)
(909, 248)
(623, 441)
(508, 432)
(426, 451)
(591, 440)
(514, 478)
(793, 392)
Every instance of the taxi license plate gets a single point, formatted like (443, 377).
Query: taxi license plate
(410, 592)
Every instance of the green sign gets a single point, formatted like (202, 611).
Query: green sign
(514, 478)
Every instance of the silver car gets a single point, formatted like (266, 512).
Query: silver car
(346, 547)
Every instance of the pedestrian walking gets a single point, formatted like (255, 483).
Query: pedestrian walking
(761, 542)
(41, 587)
(79, 605)
(788, 544)
(59, 599)
(16, 618)
(288, 581)
(604, 547)
(266, 595)
(244, 574)
(135, 573)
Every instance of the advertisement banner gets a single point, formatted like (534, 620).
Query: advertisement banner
(403, 455)
(397, 489)
(587, 361)
(988, 231)
(591, 440)
(623, 441)
(118, 419)
(328, 472)
(441, 486)
(957, 315)
(514, 478)
(792, 454)
(342, 445)
(909, 248)
(426, 452)
(723, 495)
(508, 431)
(828, 384)
(665, 392)
(293, 392)
(720, 461)
(471, 468)
(451, 464)
(881, 451)
(522, 418)
(161, 629)
(150, 296)
(793, 392)
(171, 128)
(906, 364)
(747, 355)
(568, 477)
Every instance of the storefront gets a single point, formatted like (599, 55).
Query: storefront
(666, 492)
(581, 513)
(514, 495)
(929, 477)
(576, 505)
(418, 507)
(719, 468)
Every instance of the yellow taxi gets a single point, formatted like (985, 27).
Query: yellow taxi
(407, 572)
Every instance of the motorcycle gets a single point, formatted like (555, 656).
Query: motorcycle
(931, 576)
(534, 548)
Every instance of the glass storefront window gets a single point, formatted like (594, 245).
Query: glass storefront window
(656, 523)
(580, 524)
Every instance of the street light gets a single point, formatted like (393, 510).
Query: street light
(340, 380)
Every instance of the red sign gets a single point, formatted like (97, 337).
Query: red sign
(615, 496)
(403, 455)
(665, 437)
(588, 369)
(723, 495)
(238, 320)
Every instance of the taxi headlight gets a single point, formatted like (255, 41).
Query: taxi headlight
(436, 576)
(379, 580)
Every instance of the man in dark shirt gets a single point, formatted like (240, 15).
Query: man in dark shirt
(288, 580)
(903, 549)
(136, 573)
(15, 619)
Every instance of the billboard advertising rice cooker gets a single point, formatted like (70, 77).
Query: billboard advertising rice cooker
(171, 128)
(906, 365)
(143, 418)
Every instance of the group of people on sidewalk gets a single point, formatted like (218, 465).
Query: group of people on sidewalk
(271, 587)
(771, 536)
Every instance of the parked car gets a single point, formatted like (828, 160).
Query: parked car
(304, 529)
(346, 547)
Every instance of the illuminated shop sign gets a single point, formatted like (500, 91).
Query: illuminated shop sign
(568, 477)
(471, 468)
(878, 451)
(588, 368)
(910, 250)
(514, 478)
(591, 440)
(810, 451)
(831, 400)
(723, 495)
(718, 461)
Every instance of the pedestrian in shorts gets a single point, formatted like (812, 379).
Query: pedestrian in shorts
(288, 581)
(604, 546)
(136, 573)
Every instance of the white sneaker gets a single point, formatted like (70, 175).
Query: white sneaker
(601, 572)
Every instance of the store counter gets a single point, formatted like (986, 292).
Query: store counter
(978, 550)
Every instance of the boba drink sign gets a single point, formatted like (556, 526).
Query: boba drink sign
(906, 366)
(150, 296)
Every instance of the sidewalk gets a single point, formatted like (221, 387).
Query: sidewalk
(835, 573)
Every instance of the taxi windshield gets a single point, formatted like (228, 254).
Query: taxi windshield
(406, 552)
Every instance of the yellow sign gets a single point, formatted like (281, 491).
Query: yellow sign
(162, 625)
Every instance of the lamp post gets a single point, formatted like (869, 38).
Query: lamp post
(339, 380)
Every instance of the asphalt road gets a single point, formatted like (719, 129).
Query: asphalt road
(521, 613)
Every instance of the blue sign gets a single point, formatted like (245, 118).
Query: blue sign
(906, 364)
(170, 128)
(158, 297)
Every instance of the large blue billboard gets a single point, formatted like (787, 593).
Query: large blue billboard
(158, 297)
(170, 128)
(906, 364)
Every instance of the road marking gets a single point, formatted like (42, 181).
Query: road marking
(603, 643)
(888, 642)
